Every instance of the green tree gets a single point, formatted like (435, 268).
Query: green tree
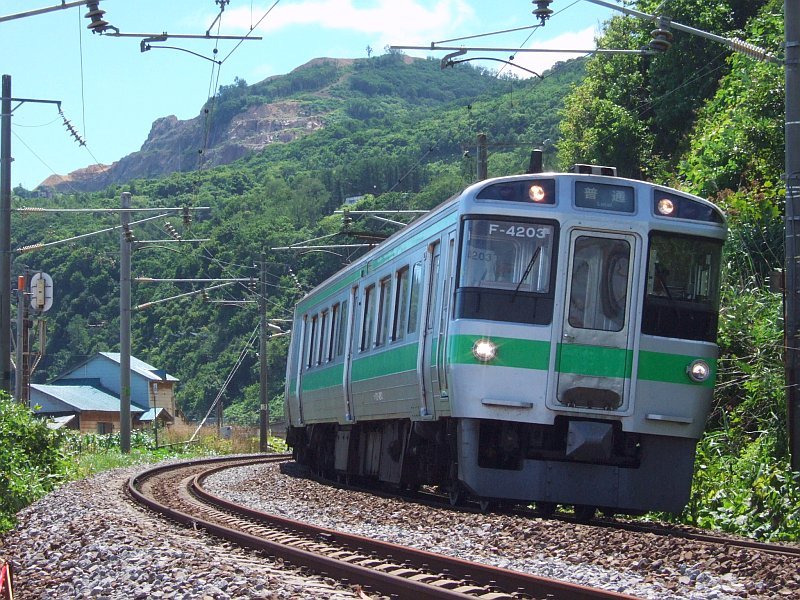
(31, 460)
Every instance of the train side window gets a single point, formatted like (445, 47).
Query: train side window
(413, 304)
(334, 331)
(342, 333)
(323, 337)
(433, 295)
(384, 306)
(367, 326)
(400, 304)
(311, 340)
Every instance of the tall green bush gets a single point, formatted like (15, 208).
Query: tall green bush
(31, 460)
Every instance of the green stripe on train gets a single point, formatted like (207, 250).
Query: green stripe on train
(320, 378)
(511, 352)
(388, 362)
(578, 359)
(594, 361)
(671, 368)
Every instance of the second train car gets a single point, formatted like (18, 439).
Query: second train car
(545, 338)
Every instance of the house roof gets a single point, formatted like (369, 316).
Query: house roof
(60, 422)
(160, 413)
(84, 397)
(142, 368)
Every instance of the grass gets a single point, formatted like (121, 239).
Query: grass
(94, 453)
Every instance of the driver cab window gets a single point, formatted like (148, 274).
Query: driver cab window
(599, 287)
(507, 255)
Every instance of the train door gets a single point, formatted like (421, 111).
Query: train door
(445, 294)
(595, 358)
(426, 358)
(299, 360)
(348, 331)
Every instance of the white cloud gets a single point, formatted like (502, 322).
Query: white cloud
(399, 21)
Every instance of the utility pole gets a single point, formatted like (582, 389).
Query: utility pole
(21, 370)
(5, 237)
(791, 20)
(483, 157)
(125, 325)
(263, 397)
(5, 227)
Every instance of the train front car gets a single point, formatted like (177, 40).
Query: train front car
(581, 353)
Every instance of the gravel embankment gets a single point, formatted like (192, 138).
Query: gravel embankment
(87, 540)
(644, 565)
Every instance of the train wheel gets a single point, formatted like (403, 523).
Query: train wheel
(546, 509)
(584, 513)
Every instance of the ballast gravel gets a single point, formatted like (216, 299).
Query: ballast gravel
(87, 540)
(644, 565)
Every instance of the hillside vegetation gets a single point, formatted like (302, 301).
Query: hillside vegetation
(395, 132)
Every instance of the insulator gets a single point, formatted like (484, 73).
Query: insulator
(749, 49)
(662, 40)
(96, 15)
(187, 217)
(542, 10)
(128, 233)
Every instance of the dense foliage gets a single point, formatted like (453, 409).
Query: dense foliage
(31, 459)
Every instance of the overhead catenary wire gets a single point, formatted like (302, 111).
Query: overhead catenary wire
(234, 369)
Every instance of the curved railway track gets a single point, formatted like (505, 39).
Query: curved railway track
(659, 529)
(176, 491)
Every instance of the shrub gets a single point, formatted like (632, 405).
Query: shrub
(31, 460)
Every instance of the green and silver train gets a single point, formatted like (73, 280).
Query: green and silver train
(543, 338)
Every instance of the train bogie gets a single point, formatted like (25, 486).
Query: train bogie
(543, 338)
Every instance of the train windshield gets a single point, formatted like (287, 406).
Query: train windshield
(506, 270)
(682, 299)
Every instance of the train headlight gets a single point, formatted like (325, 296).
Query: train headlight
(665, 207)
(698, 371)
(536, 193)
(484, 350)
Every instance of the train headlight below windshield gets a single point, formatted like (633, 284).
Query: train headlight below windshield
(666, 207)
(698, 371)
(484, 350)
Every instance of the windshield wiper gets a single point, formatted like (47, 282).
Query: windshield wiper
(527, 272)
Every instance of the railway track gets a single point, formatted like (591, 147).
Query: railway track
(438, 500)
(385, 569)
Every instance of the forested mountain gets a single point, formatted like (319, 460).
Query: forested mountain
(242, 119)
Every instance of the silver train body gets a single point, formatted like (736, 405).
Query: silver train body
(540, 338)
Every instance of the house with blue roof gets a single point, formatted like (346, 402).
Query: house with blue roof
(90, 392)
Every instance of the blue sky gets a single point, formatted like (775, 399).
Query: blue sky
(111, 92)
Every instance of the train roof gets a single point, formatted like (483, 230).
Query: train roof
(449, 206)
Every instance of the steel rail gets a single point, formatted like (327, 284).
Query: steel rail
(390, 584)
(481, 574)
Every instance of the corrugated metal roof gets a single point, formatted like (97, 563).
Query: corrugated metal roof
(153, 412)
(141, 367)
(84, 397)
